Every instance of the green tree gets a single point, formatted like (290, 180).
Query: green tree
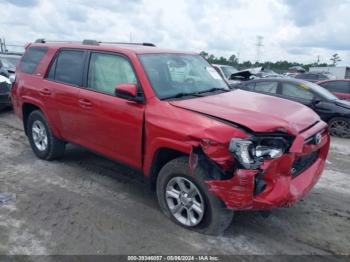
(211, 59)
(335, 59)
(233, 60)
(204, 54)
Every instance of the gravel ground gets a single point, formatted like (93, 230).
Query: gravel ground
(85, 204)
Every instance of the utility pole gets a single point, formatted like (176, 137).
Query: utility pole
(259, 45)
(1, 46)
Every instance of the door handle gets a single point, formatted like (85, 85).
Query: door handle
(84, 103)
(45, 92)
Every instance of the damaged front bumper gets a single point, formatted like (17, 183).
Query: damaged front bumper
(278, 182)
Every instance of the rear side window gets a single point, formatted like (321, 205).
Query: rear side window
(68, 67)
(266, 87)
(31, 59)
(249, 86)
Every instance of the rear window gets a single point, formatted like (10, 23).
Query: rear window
(31, 59)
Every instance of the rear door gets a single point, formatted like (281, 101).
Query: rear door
(108, 124)
(61, 89)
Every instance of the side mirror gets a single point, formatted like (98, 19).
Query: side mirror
(128, 91)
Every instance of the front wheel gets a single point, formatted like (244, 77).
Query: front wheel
(340, 127)
(184, 198)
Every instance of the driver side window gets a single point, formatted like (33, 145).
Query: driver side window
(297, 91)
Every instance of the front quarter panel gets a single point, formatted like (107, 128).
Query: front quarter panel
(168, 126)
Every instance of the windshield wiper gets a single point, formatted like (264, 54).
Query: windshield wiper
(196, 94)
(179, 95)
(213, 89)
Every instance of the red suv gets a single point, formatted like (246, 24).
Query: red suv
(206, 149)
(340, 87)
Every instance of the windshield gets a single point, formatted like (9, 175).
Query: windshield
(177, 75)
(228, 71)
(9, 62)
(322, 91)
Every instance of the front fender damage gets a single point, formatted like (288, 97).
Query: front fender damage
(222, 177)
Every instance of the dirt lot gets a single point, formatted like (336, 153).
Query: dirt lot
(85, 204)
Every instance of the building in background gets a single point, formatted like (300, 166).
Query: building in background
(340, 72)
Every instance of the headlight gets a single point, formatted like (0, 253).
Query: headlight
(252, 152)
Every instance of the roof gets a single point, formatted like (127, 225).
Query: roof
(134, 48)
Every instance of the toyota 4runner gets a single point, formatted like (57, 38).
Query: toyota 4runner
(207, 150)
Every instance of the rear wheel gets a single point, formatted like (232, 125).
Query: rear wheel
(184, 198)
(43, 142)
(340, 127)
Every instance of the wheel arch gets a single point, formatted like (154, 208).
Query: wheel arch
(27, 108)
(161, 157)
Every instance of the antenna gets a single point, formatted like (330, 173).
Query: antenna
(259, 45)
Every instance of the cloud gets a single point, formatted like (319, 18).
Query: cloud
(21, 3)
(293, 30)
(309, 12)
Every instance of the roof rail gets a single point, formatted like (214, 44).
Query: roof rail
(91, 42)
(127, 43)
(43, 41)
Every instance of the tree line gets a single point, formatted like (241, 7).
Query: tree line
(279, 66)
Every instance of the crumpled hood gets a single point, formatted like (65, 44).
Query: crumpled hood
(258, 112)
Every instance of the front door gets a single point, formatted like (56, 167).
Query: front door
(108, 124)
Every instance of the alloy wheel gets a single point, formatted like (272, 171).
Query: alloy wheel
(39, 135)
(184, 201)
(340, 128)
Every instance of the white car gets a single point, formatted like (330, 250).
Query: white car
(226, 71)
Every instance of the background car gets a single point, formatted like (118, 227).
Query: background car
(341, 88)
(268, 74)
(330, 108)
(314, 77)
(5, 88)
(226, 71)
(8, 62)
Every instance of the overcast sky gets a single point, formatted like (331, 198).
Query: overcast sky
(295, 30)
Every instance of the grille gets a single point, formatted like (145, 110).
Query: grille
(303, 163)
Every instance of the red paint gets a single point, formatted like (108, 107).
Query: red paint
(133, 132)
(281, 188)
(127, 88)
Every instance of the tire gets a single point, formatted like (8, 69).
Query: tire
(215, 218)
(339, 127)
(54, 148)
